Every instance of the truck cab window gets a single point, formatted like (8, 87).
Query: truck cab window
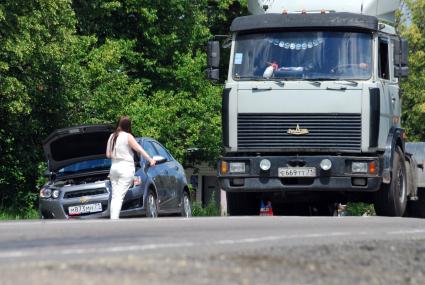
(383, 64)
(306, 55)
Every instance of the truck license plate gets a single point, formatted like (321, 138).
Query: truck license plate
(83, 209)
(297, 172)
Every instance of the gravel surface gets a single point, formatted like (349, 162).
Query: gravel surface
(366, 262)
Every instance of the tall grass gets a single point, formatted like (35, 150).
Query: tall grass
(18, 214)
(210, 210)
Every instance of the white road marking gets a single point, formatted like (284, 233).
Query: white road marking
(406, 232)
(137, 248)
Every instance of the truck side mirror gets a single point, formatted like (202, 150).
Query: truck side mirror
(401, 58)
(213, 51)
(213, 54)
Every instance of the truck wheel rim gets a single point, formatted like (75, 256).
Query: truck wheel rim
(401, 186)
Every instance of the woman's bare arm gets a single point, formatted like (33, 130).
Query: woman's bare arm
(134, 145)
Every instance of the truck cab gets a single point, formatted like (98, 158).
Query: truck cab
(312, 104)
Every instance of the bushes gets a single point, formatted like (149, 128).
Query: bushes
(210, 210)
(359, 209)
(18, 214)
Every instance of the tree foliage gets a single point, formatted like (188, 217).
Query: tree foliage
(414, 86)
(72, 62)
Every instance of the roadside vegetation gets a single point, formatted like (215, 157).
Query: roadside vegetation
(20, 214)
(73, 62)
(360, 209)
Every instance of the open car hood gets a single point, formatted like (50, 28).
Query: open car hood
(66, 146)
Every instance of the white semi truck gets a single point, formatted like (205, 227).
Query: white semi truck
(311, 108)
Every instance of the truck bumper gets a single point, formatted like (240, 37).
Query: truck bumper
(339, 177)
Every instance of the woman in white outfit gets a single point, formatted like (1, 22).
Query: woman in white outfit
(120, 148)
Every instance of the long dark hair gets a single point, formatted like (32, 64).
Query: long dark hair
(124, 124)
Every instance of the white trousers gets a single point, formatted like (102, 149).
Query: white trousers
(121, 175)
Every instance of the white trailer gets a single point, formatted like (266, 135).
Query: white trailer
(311, 107)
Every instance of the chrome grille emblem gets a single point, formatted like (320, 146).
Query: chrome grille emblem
(298, 131)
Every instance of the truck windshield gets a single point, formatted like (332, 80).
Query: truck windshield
(315, 55)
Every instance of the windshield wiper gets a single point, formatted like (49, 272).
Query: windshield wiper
(350, 82)
(317, 81)
(314, 82)
(261, 88)
(249, 78)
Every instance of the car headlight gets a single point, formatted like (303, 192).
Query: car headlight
(55, 194)
(45, 193)
(237, 167)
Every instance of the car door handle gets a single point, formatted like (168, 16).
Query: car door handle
(176, 168)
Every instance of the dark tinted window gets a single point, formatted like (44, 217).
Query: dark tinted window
(149, 148)
(162, 151)
(384, 68)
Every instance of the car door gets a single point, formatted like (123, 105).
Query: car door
(156, 173)
(172, 183)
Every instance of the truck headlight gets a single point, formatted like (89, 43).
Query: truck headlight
(265, 164)
(359, 167)
(237, 167)
(325, 164)
(45, 193)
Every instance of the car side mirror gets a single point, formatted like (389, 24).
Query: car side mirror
(48, 174)
(159, 159)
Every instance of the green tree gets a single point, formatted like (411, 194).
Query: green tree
(35, 39)
(69, 62)
(414, 86)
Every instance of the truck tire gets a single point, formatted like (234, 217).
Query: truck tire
(242, 204)
(391, 199)
(416, 208)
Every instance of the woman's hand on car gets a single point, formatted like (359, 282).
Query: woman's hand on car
(152, 162)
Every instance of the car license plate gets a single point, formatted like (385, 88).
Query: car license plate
(84, 209)
(297, 172)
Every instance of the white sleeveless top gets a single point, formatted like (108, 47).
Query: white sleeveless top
(122, 150)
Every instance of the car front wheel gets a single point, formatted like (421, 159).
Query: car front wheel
(186, 206)
(151, 206)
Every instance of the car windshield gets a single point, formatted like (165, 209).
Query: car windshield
(315, 55)
(89, 165)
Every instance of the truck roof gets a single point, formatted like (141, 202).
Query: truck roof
(345, 21)
(381, 9)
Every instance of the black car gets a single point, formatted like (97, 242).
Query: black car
(79, 186)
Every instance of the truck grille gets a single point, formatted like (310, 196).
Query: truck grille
(340, 132)
(81, 193)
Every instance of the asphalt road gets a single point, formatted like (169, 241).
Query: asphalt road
(232, 250)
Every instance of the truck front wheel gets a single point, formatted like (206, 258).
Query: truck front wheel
(391, 199)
